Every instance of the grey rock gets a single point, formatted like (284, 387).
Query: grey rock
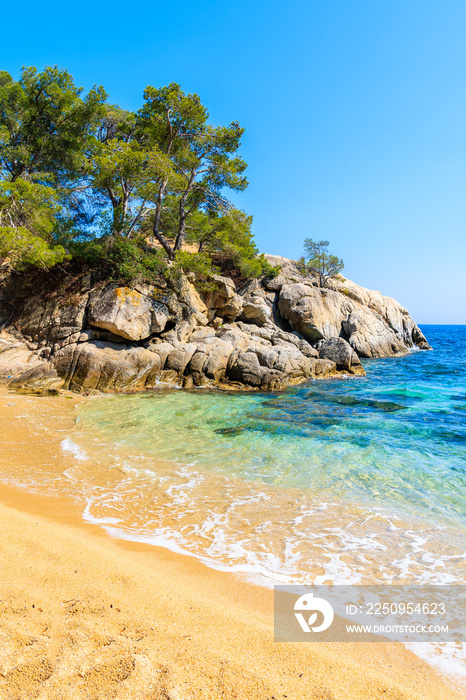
(247, 370)
(256, 310)
(162, 349)
(324, 368)
(315, 313)
(41, 379)
(217, 361)
(126, 312)
(196, 366)
(223, 301)
(275, 284)
(100, 366)
(306, 349)
(265, 335)
(374, 325)
(179, 358)
(341, 352)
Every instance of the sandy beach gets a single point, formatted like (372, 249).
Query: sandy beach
(85, 616)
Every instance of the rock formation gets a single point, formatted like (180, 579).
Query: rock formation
(263, 335)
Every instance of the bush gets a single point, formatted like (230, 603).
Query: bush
(122, 259)
(200, 264)
(24, 249)
(27, 224)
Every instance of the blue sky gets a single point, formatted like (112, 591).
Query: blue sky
(355, 117)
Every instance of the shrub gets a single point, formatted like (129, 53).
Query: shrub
(122, 259)
(200, 264)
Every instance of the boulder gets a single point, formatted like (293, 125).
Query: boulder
(196, 367)
(55, 318)
(41, 379)
(232, 308)
(100, 366)
(263, 335)
(374, 325)
(289, 269)
(24, 371)
(315, 313)
(275, 284)
(370, 336)
(324, 368)
(179, 358)
(217, 361)
(15, 357)
(307, 350)
(273, 381)
(247, 370)
(256, 310)
(340, 351)
(223, 300)
(162, 349)
(419, 339)
(188, 300)
(126, 312)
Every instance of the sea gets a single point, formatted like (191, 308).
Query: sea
(355, 480)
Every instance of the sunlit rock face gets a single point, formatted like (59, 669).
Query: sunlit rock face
(264, 335)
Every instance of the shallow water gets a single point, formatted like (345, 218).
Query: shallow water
(354, 480)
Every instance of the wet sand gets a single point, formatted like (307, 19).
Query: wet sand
(85, 616)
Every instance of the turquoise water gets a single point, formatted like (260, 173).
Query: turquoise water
(349, 479)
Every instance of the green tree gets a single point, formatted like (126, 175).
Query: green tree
(28, 214)
(167, 119)
(104, 182)
(319, 261)
(208, 166)
(227, 237)
(128, 175)
(45, 125)
(203, 158)
(5, 78)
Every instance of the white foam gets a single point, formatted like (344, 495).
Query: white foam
(448, 658)
(72, 448)
(223, 525)
(89, 518)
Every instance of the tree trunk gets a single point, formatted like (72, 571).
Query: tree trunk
(182, 226)
(116, 227)
(155, 229)
(136, 218)
(183, 213)
(165, 245)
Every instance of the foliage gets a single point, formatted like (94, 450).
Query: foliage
(5, 78)
(45, 125)
(203, 158)
(126, 172)
(23, 249)
(229, 237)
(83, 177)
(28, 216)
(122, 259)
(199, 264)
(319, 261)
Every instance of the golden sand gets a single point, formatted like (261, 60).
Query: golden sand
(87, 617)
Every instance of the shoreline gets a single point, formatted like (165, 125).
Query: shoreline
(114, 618)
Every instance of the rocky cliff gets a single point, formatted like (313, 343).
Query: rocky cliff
(70, 333)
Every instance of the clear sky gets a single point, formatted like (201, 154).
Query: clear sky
(355, 117)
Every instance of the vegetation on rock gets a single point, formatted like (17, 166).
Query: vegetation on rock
(318, 261)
